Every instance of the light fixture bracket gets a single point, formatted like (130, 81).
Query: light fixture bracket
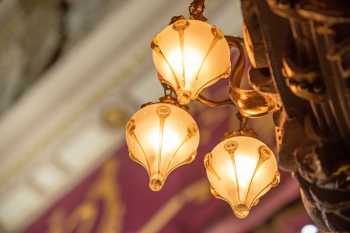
(196, 10)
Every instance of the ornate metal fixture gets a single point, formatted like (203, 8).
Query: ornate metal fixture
(191, 55)
(161, 137)
(185, 54)
(240, 170)
(305, 45)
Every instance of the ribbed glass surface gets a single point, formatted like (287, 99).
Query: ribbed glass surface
(162, 137)
(190, 55)
(241, 170)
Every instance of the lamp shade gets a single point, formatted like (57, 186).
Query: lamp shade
(161, 137)
(241, 170)
(190, 55)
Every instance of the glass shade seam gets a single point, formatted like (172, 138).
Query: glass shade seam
(159, 51)
(211, 46)
(142, 149)
(216, 78)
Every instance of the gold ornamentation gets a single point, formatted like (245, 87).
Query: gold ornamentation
(191, 131)
(241, 169)
(163, 111)
(276, 180)
(164, 138)
(184, 56)
(198, 192)
(303, 82)
(208, 165)
(180, 24)
(264, 154)
(114, 117)
(230, 146)
(130, 127)
(84, 218)
(186, 64)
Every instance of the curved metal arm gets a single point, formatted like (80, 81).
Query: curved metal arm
(250, 103)
(238, 70)
(235, 76)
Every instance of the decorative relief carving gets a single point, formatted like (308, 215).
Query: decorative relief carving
(102, 199)
(313, 139)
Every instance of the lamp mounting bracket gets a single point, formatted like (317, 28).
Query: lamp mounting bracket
(196, 10)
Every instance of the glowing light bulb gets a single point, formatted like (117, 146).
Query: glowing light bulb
(241, 170)
(309, 229)
(186, 56)
(162, 137)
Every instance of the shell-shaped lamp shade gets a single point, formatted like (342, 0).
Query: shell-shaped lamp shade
(191, 55)
(162, 137)
(241, 170)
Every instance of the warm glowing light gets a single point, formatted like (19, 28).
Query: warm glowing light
(162, 137)
(190, 55)
(310, 228)
(241, 170)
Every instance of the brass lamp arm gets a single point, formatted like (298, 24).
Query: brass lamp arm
(250, 103)
(238, 69)
(235, 75)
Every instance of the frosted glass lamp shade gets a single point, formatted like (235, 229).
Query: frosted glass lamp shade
(241, 170)
(189, 56)
(162, 137)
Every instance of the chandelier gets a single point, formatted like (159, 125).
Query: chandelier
(191, 55)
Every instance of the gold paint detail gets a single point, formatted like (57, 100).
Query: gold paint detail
(134, 158)
(163, 111)
(208, 165)
(256, 202)
(85, 217)
(189, 160)
(143, 152)
(232, 155)
(181, 35)
(211, 46)
(264, 190)
(220, 76)
(231, 146)
(131, 126)
(113, 117)
(241, 210)
(276, 180)
(264, 154)
(191, 131)
(157, 50)
(217, 33)
(156, 181)
(213, 192)
(181, 24)
(197, 192)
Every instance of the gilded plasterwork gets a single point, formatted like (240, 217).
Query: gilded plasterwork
(90, 214)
